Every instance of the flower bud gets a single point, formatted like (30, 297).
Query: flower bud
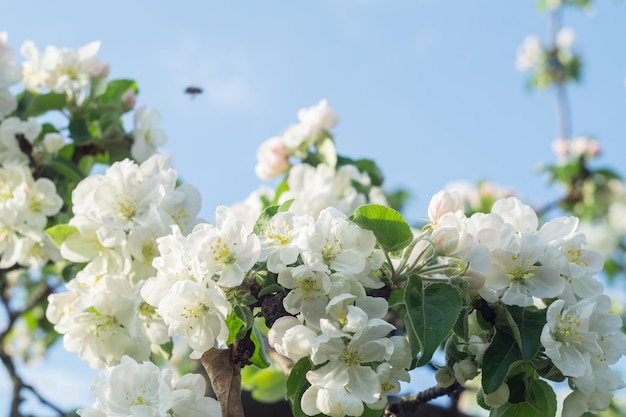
(444, 202)
(498, 397)
(129, 99)
(53, 142)
(465, 370)
(444, 377)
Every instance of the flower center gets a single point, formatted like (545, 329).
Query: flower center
(308, 285)
(568, 330)
(283, 238)
(521, 272)
(350, 357)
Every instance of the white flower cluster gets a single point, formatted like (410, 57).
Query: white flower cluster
(315, 188)
(525, 262)
(312, 188)
(71, 71)
(61, 70)
(529, 264)
(146, 136)
(192, 273)
(25, 202)
(583, 339)
(142, 389)
(575, 148)
(327, 263)
(532, 56)
(117, 219)
(10, 73)
(314, 125)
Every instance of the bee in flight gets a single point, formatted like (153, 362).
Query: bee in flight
(193, 91)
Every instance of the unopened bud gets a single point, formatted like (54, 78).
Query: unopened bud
(444, 377)
(53, 142)
(498, 397)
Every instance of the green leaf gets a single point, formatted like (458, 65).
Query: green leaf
(297, 384)
(38, 104)
(58, 233)
(79, 131)
(396, 297)
(529, 323)
(285, 206)
(432, 312)
(371, 169)
(542, 404)
(115, 90)
(264, 219)
(267, 385)
(271, 289)
(282, 187)
(500, 356)
(391, 230)
(71, 270)
(238, 322)
(66, 168)
(259, 358)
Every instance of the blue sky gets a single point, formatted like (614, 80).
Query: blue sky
(429, 90)
(426, 88)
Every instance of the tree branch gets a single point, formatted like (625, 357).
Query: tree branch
(399, 406)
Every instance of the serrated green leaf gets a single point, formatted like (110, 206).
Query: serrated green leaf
(58, 233)
(432, 311)
(500, 356)
(391, 230)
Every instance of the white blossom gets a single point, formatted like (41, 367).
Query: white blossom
(142, 389)
(146, 136)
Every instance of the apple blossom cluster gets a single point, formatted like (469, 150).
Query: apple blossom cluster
(193, 274)
(530, 265)
(147, 137)
(62, 70)
(10, 74)
(327, 264)
(556, 63)
(314, 126)
(531, 54)
(26, 203)
(118, 218)
(142, 389)
(481, 196)
(319, 181)
(575, 148)
(75, 72)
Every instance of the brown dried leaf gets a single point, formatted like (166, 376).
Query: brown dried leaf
(226, 380)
